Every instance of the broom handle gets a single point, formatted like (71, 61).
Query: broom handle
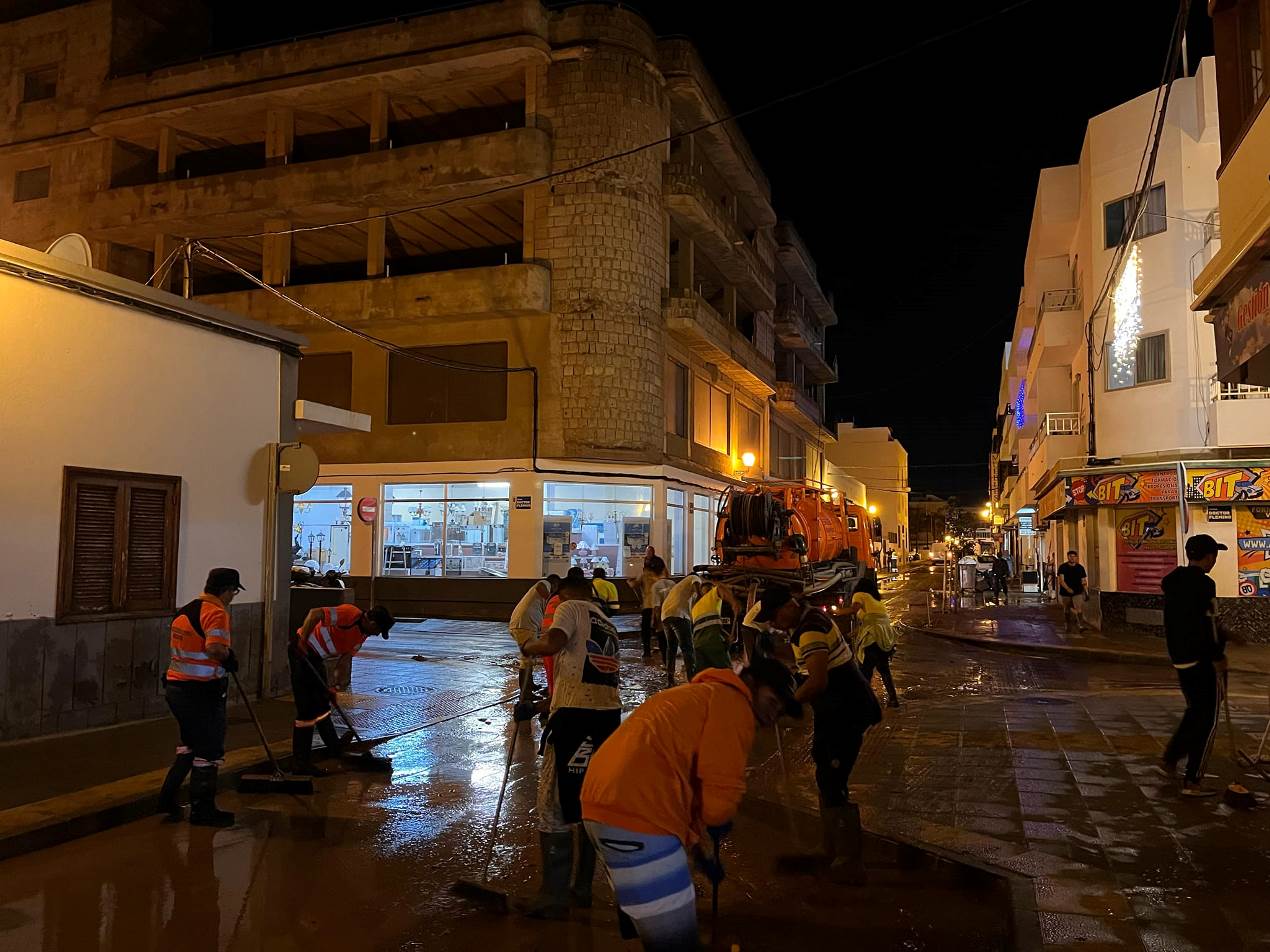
(273, 762)
(334, 703)
(498, 807)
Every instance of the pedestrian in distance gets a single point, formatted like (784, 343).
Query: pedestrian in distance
(585, 710)
(843, 707)
(875, 637)
(1000, 577)
(605, 591)
(326, 633)
(671, 777)
(196, 685)
(1197, 648)
(1072, 585)
(654, 570)
(676, 620)
(661, 588)
(525, 626)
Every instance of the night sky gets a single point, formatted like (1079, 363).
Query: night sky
(912, 183)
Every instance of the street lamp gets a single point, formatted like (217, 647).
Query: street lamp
(873, 510)
(748, 459)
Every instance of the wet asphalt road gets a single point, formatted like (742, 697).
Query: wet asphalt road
(1028, 764)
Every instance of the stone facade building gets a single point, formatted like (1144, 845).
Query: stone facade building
(435, 182)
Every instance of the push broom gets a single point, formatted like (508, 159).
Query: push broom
(480, 889)
(276, 782)
(355, 754)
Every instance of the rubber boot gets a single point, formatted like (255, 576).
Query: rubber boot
(169, 792)
(330, 737)
(552, 901)
(584, 873)
(830, 827)
(203, 810)
(847, 867)
(302, 753)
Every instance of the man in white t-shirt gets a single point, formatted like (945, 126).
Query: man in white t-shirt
(676, 621)
(585, 710)
(525, 625)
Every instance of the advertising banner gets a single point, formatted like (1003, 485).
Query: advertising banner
(1057, 499)
(1146, 548)
(1150, 486)
(1228, 484)
(1253, 543)
(1242, 327)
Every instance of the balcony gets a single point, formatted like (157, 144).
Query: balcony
(792, 401)
(1059, 329)
(796, 333)
(323, 190)
(798, 263)
(717, 234)
(1241, 414)
(703, 329)
(1058, 437)
(513, 290)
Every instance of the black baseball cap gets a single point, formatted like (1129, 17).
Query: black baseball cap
(382, 618)
(771, 601)
(220, 579)
(774, 674)
(1201, 545)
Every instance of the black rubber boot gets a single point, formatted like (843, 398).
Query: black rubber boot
(330, 737)
(203, 810)
(302, 753)
(847, 867)
(169, 793)
(830, 825)
(584, 873)
(552, 901)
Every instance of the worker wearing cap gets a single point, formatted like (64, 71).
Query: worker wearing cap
(672, 774)
(326, 633)
(843, 708)
(1197, 648)
(195, 685)
(525, 625)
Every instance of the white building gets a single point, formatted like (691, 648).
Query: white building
(140, 429)
(877, 459)
(1162, 428)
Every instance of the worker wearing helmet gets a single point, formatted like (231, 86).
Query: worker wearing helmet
(326, 633)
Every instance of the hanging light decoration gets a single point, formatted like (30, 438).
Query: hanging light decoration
(1126, 311)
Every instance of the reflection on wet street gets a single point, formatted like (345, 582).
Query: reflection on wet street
(1025, 764)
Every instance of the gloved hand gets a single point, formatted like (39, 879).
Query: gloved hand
(230, 663)
(717, 833)
(711, 868)
(333, 694)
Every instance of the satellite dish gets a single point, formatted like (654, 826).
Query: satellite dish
(73, 248)
(297, 468)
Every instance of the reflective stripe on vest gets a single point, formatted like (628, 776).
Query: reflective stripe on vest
(188, 665)
(321, 641)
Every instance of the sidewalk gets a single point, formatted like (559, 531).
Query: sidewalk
(1037, 627)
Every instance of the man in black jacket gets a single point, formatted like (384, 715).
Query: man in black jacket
(1198, 651)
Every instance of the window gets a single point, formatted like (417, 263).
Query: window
(710, 415)
(702, 529)
(750, 434)
(675, 548)
(327, 378)
(29, 184)
(1149, 364)
(118, 544)
(1116, 216)
(596, 524)
(322, 525)
(789, 454)
(1252, 54)
(677, 400)
(39, 84)
(420, 392)
(458, 530)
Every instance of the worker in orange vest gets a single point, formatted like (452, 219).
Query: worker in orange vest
(196, 684)
(326, 633)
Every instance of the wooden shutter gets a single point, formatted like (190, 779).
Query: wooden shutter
(118, 544)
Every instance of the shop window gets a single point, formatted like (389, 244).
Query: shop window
(38, 84)
(29, 184)
(1116, 216)
(1148, 364)
(605, 525)
(327, 378)
(750, 433)
(456, 530)
(677, 400)
(711, 408)
(421, 392)
(675, 548)
(703, 525)
(322, 527)
(118, 544)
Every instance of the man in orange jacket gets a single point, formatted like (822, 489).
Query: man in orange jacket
(674, 770)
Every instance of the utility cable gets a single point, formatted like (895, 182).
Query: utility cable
(656, 143)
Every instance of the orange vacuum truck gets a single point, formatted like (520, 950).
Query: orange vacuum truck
(790, 532)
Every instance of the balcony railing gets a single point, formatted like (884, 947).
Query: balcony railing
(1060, 299)
(1055, 424)
(1238, 391)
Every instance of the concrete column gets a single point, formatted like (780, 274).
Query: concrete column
(683, 276)
(279, 136)
(276, 263)
(376, 246)
(380, 113)
(167, 153)
(729, 304)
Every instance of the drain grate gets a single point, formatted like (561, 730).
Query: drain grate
(404, 690)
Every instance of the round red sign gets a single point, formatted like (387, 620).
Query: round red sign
(367, 508)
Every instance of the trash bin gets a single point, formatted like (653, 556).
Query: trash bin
(967, 573)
